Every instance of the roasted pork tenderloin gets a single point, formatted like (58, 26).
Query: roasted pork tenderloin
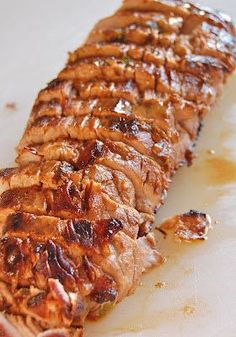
(95, 162)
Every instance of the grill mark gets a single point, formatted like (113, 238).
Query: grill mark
(105, 289)
(111, 89)
(84, 233)
(133, 34)
(101, 132)
(117, 165)
(54, 202)
(129, 127)
(191, 99)
(186, 11)
(90, 155)
(27, 212)
(80, 232)
(142, 20)
(124, 53)
(136, 53)
(199, 67)
(142, 104)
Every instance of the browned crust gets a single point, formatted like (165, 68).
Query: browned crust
(102, 143)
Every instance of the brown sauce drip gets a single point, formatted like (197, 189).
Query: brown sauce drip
(220, 171)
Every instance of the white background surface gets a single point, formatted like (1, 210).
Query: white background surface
(35, 37)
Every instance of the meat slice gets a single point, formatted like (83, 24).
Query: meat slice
(144, 173)
(145, 138)
(49, 280)
(126, 52)
(28, 327)
(183, 9)
(95, 162)
(64, 194)
(188, 227)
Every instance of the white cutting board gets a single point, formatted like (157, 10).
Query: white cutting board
(199, 297)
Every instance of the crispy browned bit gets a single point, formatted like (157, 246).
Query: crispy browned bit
(102, 144)
(11, 106)
(129, 127)
(14, 221)
(6, 172)
(80, 231)
(106, 229)
(189, 157)
(104, 291)
(188, 310)
(211, 151)
(13, 255)
(66, 197)
(91, 153)
(145, 229)
(189, 226)
(160, 285)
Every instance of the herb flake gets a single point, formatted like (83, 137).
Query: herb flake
(126, 60)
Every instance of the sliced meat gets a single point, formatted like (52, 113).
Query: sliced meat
(145, 138)
(101, 146)
(188, 227)
(143, 172)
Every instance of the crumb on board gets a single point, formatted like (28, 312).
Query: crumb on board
(188, 227)
(210, 151)
(188, 310)
(11, 106)
(160, 285)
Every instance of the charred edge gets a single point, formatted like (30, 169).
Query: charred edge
(199, 129)
(194, 213)
(6, 172)
(104, 291)
(67, 197)
(86, 198)
(14, 222)
(88, 235)
(36, 300)
(41, 121)
(107, 229)
(126, 126)
(90, 154)
(189, 157)
(64, 169)
(112, 227)
(60, 267)
(80, 232)
(13, 255)
(56, 83)
(145, 229)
